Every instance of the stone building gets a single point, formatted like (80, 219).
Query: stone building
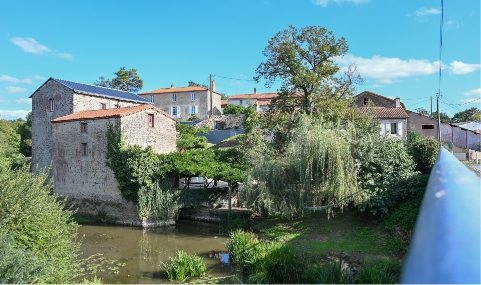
(391, 112)
(57, 98)
(79, 156)
(70, 122)
(183, 103)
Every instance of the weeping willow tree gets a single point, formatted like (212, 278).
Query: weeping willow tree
(317, 170)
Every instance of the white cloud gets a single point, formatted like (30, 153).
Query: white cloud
(24, 101)
(325, 3)
(387, 70)
(458, 67)
(475, 92)
(30, 45)
(14, 90)
(453, 24)
(10, 79)
(426, 12)
(39, 77)
(13, 114)
(64, 55)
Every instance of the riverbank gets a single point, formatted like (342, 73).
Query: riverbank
(350, 236)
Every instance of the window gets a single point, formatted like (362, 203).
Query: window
(193, 110)
(83, 149)
(117, 106)
(103, 106)
(83, 128)
(174, 97)
(175, 112)
(51, 105)
(150, 120)
(192, 96)
(240, 102)
(366, 101)
(427, 127)
(393, 128)
(152, 98)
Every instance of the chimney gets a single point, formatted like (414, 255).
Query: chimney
(255, 90)
(171, 86)
(397, 102)
(213, 86)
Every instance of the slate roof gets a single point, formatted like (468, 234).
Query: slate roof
(109, 113)
(385, 112)
(97, 91)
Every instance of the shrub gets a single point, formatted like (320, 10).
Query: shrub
(38, 223)
(423, 150)
(387, 272)
(185, 266)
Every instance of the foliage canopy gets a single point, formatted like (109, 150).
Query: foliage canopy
(126, 80)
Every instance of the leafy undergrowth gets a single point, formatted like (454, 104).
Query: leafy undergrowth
(349, 235)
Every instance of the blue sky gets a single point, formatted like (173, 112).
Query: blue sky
(395, 44)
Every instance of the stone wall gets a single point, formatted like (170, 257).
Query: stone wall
(373, 100)
(87, 182)
(82, 102)
(234, 121)
(41, 117)
(162, 138)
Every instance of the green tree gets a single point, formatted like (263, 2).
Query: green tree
(423, 150)
(126, 80)
(304, 59)
(38, 223)
(444, 117)
(9, 139)
(234, 109)
(188, 137)
(471, 114)
(25, 131)
(423, 111)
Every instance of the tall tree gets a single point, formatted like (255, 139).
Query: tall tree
(422, 111)
(443, 115)
(304, 59)
(471, 114)
(126, 80)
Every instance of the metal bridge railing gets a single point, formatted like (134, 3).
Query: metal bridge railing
(445, 247)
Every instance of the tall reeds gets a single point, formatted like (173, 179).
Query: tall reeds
(185, 266)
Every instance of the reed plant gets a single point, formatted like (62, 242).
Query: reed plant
(185, 266)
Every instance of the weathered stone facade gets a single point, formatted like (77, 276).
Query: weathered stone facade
(65, 101)
(79, 160)
(231, 121)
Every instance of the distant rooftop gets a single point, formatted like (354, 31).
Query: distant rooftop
(173, 89)
(97, 90)
(385, 112)
(270, 95)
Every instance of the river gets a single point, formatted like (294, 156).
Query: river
(135, 255)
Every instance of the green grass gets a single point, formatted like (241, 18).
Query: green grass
(185, 266)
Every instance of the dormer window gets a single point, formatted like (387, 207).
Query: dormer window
(366, 101)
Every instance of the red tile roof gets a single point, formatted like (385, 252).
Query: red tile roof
(385, 112)
(254, 96)
(175, 90)
(383, 97)
(224, 102)
(109, 113)
(263, 102)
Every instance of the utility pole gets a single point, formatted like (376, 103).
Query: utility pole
(439, 116)
(431, 115)
(211, 112)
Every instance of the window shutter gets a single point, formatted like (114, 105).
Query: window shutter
(196, 109)
(388, 128)
(400, 128)
(178, 111)
(382, 128)
(170, 110)
(191, 110)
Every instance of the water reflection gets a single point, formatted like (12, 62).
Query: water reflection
(143, 251)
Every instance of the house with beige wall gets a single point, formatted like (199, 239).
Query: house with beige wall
(391, 112)
(260, 101)
(183, 103)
